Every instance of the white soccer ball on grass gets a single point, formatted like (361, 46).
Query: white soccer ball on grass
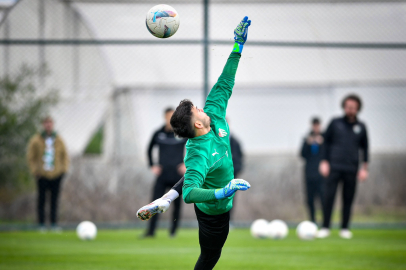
(306, 230)
(277, 229)
(259, 228)
(86, 230)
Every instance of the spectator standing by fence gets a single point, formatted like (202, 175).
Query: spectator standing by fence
(311, 153)
(344, 138)
(48, 162)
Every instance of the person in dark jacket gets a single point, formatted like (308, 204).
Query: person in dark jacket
(168, 170)
(311, 152)
(344, 138)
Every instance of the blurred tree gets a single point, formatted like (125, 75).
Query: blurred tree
(22, 105)
(96, 143)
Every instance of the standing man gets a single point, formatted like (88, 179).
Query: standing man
(48, 161)
(344, 138)
(311, 152)
(169, 168)
(209, 179)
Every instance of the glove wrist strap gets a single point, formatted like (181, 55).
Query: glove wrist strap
(219, 193)
(237, 48)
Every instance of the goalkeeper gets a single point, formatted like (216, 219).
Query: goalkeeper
(208, 181)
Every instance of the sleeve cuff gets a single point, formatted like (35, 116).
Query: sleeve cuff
(219, 194)
(237, 48)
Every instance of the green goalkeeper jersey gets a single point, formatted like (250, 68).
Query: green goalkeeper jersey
(208, 158)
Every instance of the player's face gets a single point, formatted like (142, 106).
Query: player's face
(316, 128)
(201, 116)
(168, 116)
(48, 125)
(351, 108)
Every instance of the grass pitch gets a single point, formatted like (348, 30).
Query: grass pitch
(370, 249)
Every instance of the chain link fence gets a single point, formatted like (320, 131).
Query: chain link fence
(114, 80)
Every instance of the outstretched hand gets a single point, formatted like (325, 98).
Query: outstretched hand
(156, 207)
(241, 32)
(231, 188)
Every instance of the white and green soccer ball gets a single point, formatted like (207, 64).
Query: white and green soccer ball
(86, 230)
(306, 230)
(277, 229)
(162, 21)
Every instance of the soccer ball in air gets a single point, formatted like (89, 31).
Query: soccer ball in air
(86, 230)
(258, 228)
(306, 230)
(277, 229)
(162, 21)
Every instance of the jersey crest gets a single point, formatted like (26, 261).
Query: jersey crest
(222, 132)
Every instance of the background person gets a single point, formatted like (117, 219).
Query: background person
(237, 156)
(48, 161)
(168, 170)
(344, 138)
(311, 152)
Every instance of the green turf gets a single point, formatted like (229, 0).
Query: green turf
(370, 249)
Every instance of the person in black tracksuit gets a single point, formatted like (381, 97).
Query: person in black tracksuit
(311, 152)
(344, 138)
(169, 169)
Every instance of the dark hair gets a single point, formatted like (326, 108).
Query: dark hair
(46, 118)
(181, 120)
(315, 121)
(352, 97)
(169, 109)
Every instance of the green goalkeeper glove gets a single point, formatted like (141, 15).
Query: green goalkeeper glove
(231, 188)
(241, 34)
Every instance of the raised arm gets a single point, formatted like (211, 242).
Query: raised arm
(217, 101)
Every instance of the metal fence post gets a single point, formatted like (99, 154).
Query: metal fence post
(206, 49)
